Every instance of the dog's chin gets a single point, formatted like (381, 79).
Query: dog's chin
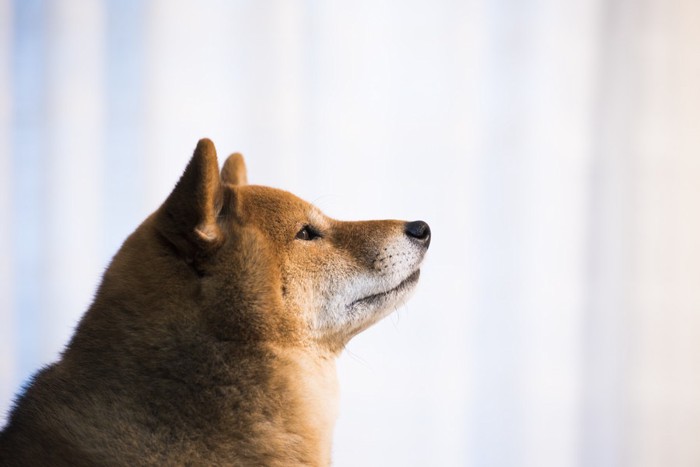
(352, 318)
(390, 299)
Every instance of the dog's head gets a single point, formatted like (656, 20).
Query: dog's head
(273, 265)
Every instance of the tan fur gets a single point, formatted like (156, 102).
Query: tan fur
(213, 336)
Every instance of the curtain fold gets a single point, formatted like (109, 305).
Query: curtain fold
(8, 338)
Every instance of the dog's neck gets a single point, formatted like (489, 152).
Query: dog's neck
(311, 379)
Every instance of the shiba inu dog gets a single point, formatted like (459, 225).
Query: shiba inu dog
(213, 336)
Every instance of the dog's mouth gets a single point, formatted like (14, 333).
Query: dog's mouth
(406, 284)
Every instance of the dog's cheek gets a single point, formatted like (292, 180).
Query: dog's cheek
(297, 288)
(317, 287)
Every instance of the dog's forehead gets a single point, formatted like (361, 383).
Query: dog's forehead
(316, 217)
(279, 203)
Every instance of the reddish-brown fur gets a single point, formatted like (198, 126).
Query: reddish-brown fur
(198, 347)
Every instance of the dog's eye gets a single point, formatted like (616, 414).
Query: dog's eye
(307, 233)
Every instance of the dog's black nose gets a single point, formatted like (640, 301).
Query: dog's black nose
(418, 230)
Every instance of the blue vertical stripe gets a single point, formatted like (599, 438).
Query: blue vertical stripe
(28, 88)
(124, 154)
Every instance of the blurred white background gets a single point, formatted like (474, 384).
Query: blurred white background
(553, 146)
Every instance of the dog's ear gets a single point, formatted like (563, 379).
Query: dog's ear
(234, 171)
(187, 219)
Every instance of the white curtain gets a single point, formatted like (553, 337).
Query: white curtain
(553, 146)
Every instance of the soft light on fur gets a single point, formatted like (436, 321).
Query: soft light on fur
(213, 336)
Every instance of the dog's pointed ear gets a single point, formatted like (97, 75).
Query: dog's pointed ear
(234, 171)
(188, 217)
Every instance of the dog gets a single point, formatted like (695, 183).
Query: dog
(213, 335)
